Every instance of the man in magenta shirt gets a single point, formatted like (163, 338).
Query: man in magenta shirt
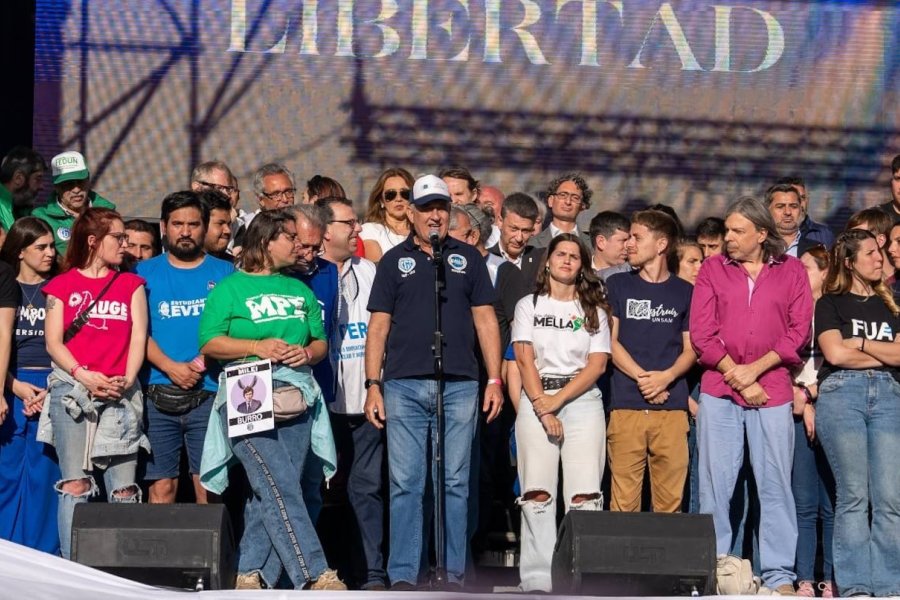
(750, 314)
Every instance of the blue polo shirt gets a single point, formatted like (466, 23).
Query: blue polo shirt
(404, 288)
(324, 284)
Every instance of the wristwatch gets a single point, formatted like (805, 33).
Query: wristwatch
(370, 382)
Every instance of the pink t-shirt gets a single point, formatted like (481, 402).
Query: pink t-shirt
(102, 344)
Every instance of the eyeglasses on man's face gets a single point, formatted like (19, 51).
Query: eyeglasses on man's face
(225, 189)
(287, 194)
(568, 196)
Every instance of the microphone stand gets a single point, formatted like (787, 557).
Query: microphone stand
(440, 572)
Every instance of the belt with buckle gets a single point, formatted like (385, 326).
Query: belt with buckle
(555, 383)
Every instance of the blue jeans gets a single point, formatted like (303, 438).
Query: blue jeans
(69, 438)
(361, 448)
(721, 425)
(813, 486)
(411, 415)
(858, 422)
(168, 433)
(279, 535)
(691, 502)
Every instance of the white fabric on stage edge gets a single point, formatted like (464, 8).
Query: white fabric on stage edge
(27, 574)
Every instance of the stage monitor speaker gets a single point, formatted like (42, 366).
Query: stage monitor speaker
(635, 554)
(189, 546)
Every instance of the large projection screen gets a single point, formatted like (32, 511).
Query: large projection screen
(687, 103)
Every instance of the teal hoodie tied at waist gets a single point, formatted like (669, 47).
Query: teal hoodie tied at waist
(217, 454)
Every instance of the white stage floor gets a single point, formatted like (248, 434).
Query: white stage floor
(27, 574)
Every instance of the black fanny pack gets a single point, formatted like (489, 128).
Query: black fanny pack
(175, 400)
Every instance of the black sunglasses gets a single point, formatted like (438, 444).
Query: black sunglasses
(391, 195)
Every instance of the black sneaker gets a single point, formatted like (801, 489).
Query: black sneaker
(403, 586)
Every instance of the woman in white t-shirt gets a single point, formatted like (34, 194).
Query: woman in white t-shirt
(561, 340)
(386, 222)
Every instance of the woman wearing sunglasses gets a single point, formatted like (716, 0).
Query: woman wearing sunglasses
(386, 222)
(96, 332)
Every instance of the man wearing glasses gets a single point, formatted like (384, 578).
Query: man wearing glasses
(274, 187)
(360, 445)
(567, 196)
(215, 175)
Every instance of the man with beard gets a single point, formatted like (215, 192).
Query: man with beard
(72, 194)
(20, 180)
(179, 387)
(811, 232)
(783, 202)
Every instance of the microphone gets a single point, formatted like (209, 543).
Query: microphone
(435, 239)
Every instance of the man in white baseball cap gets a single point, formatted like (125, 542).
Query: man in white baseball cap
(71, 195)
(400, 377)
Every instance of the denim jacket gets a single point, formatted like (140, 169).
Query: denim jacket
(217, 454)
(114, 428)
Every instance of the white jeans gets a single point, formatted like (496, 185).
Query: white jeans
(583, 454)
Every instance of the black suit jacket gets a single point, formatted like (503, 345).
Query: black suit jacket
(532, 259)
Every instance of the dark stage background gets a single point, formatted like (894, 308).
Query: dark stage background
(685, 102)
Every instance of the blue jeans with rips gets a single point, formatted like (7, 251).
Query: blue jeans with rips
(858, 423)
(69, 438)
(411, 415)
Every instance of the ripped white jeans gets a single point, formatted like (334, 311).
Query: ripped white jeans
(583, 456)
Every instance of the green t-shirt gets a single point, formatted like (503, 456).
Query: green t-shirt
(258, 307)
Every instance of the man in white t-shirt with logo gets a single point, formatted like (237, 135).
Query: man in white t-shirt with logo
(359, 444)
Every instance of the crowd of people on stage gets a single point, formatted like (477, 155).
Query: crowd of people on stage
(749, 370)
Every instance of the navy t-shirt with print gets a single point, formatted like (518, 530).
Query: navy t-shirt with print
(404, 288)
(652, 320)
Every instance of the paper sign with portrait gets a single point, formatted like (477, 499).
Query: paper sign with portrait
(249, 387)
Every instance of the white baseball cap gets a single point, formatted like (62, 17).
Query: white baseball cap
(429, 188)
(69, 166)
